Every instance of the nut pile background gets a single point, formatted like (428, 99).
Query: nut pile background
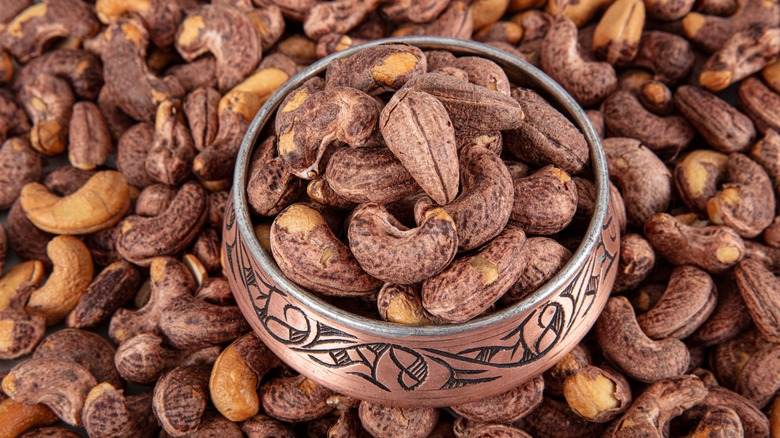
(163, 90)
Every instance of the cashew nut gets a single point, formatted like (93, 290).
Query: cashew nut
(616, 37)
(180, 398)
(192, 323)
(16, 417)
(711, 32)
(598, 394)
(271, 188)
(743, 54)
(760, 104)
(161, 17)
(378, 69)
(143, 358)
(87, 349)
(398, 255)
(98, 205)
(170, 159)
(669, 56)
(62, 385)
(415, 422)
(759, 288)
(19, 165)
(108, 413)
(545, 201)
(506, 407)
(72, 274)
(132, 150)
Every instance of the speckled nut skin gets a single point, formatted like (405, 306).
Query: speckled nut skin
(626, 346)
(418, 130)
(378, 69)
(271, 187)
(754, 422)
(637, 259)
(546, 137)
(482, 72)
(457, 21)
(169, 279)
(743, 54)
(758, 287)
(625, 116)
(711, 32)
(588, 82)
(132, 149)
(687, 302)
(670, 57)
(261, 426)
(109, 413)
(60, 385)
(192, 323)
(140, 239)
(758, 381)
(472, 108)
(545, 258)
(341, 114)
(112, 288)
(759, 103)
(766, 152)
(143, 358)
(507, 407)
(87, 349)
(180, 398)
(379, 420)
(133, 87)
(228, 34)
(598, 394)
(295, 399)
(471, 284)
(722, 126)
(170, 159)
(99, 204)
(485, 202)
(201, 106)
(645, 192)
(545, 201)
(362, 175)
(50, 432)
(28, 33)
(19, 165)
(652, 411)
(388, 251)
(301, 240)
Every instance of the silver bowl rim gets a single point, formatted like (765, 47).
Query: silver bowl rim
(538, 80)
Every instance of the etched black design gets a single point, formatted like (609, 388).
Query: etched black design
(287, 323)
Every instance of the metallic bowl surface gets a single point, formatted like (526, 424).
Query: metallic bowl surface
(433, 365)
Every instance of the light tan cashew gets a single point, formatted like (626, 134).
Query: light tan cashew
(579, 12)
(19, 332)
(15, 417)
(226, 33)
(616, 37)
(72, 274)
(62, 385)
(97, 205)
(394, 254)
(697, 177)
(597, 394)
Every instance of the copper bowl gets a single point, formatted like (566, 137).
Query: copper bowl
(431, 365)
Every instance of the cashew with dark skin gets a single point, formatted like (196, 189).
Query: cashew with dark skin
(545, 201)
(132, 150)
(173, 149)
(161, 17)
(626, 346)
(722, 126)
(760, 103)
(62, 385)
(295, 399)
(226, 33)
(13, 119)
(379, 420)
(383, 68)
(506, 407)
(392, 254)
(192, 323)
(180, 398)
(19, 165)
(754, 422)
(201, 106)
(143, 358)
(545, 258)
(27, 240)
(141, 239)
(597, 394)
(271, 187)
(109, 413)
(744, 53)
(711, 32)
(87, 349)
(759, 289)
(670, 57)
(19, 332)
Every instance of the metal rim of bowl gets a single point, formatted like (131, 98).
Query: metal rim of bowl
(538, 80)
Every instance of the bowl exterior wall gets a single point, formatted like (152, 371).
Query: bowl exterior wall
(417, 371)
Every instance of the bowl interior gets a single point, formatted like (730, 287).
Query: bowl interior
(519, 72)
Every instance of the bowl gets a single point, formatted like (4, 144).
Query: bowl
(423, 366)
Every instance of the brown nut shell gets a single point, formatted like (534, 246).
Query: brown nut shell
(760, 290)
(545, 258)
(20, 165)
(506, 407)
(378, 69)
(379, 420)
(471, 284)
(180, 398)
(295, 399)
(395, 255)
(545, 201)
(87, 349)
(309, 253)
(722, 126)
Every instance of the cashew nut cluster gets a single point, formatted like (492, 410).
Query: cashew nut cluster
(416, 187)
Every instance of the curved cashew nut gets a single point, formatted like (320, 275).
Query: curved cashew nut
(597, 394)
(161, 17)
(396, 255)
(49, 101)
(401, 304)
(72, 274)
(295, 399)
(236, 376)
(713, 248)
(13, 119)
(625, 116)
(760, 103)
(698, 175)
(643, 179)
(309, 253)
(80, 69)
(758, 286)
(342, 114)
(27, 34)
(131, 152)
(378, 69)
(545, 258)
(109, 413)
(588, 82)
(637, 260)
(15, 417)
(747, 202)
(754, 422)
(338, 16)
(226, 33)
(192, 323)
(417, 422)
(743, 54)
(133, 87)
(687, 302)
(237, 108)
(62, 385)
(87, 349)
(20, 165)
(711, 32)
(97, 205)
(173, 149)
(19, 331)
(652, 411)
(169, 279)
(506, 407)
(142, 359)
(142, 239)
(271, 188)
(722, 126)
(626, 345)
(180, 398)
(545, 201)
(616, 37)
(471, 284)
